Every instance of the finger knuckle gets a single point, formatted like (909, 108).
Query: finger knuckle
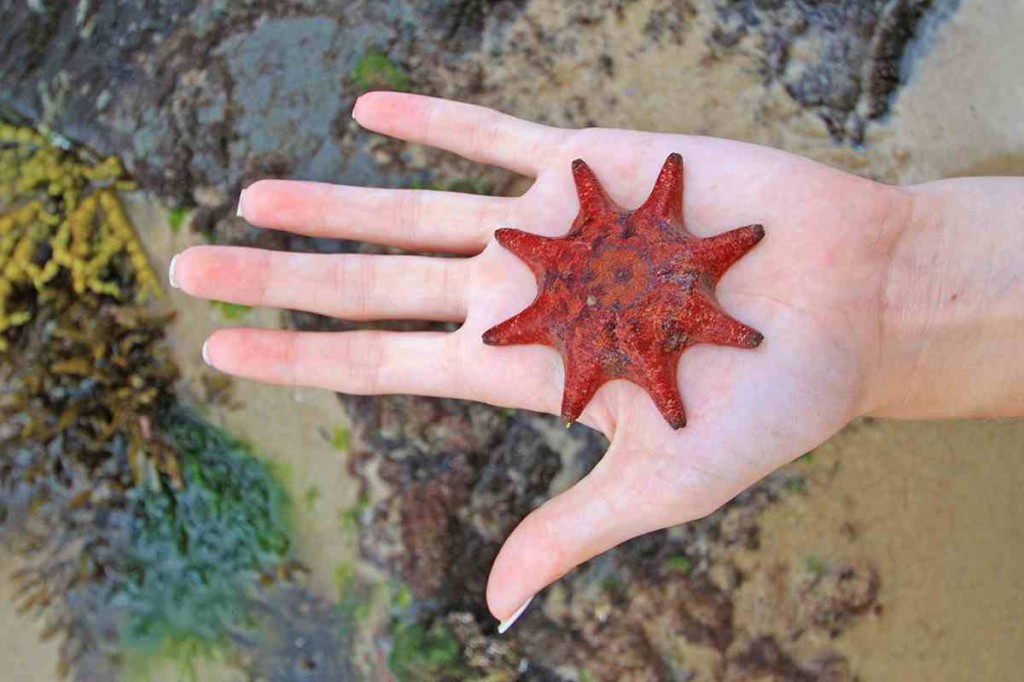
(266, 267)
(409, 207)
(367, 287)
(579, 141)
(487, 133)
(365, 361)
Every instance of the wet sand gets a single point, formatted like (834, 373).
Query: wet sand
(936, 508)
(26, 657)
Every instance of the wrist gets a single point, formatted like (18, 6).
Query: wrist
(904, 314)
(952, 304)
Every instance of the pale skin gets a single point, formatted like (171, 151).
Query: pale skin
(873, 300)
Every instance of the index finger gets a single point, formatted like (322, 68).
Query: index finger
(474, 132)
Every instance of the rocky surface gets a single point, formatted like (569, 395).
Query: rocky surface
(200, 98)
(844, 60)
(447, 481)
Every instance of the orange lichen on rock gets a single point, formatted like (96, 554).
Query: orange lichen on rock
(624, 293)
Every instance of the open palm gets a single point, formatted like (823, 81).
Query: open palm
(814, 287)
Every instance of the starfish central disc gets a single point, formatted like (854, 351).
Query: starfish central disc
(624, 293)
(616, 278)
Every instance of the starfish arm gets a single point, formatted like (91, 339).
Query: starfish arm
(659, 379)
(530, 326)
(594, 201)
(666, 199)
(539, 253)
(718, 253)
(711, 325)
(583, 376)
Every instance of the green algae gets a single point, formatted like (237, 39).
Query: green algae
(312, 496)
(476, 185)
(420, 653)
(814, 565)
(340, 439)
(350, 517)
(344, 577)
(796, 485)
(231, 311)
(807, 458)
(421, 650)
(173, 562)
(176, 217)
(196, 546)
(375, 71)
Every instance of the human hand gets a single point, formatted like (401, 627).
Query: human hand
(814, 287)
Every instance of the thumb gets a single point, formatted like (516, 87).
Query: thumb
(593, 516)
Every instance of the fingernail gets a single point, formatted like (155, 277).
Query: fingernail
(238, 212)
(504, 625)
(355, 105)
(205, 353)
(170, 272)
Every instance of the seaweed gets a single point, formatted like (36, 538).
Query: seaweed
(87, 382)
(425, 653)
(162, 570)
(142, 532)
(85, 373)
(63, 220)
(77, 404)
(196, 546)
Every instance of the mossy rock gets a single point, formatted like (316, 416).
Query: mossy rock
(375, 71)
(423, 653)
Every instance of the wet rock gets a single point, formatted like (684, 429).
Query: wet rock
(844, 60)
(430, 530)
(832, 598)
(61, 64)
(815, 597)
(298, 637)
(454, 477)
(447, 481)
(482, 652)
(463, 22)
(219, 94)
(765, 661)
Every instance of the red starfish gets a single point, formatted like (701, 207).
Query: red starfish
(626, 292)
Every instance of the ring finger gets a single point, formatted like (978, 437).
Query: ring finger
(348, 286)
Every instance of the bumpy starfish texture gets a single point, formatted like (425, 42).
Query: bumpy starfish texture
(624, 293)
